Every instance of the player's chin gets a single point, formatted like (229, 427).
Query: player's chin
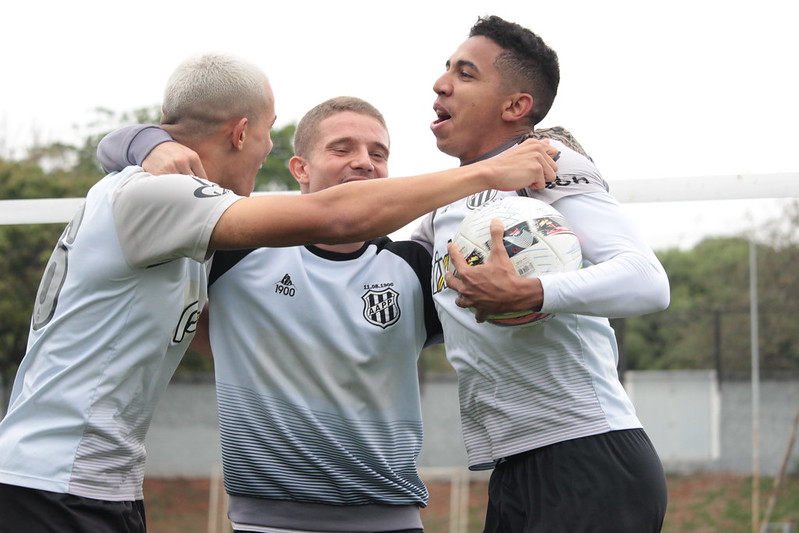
(443, 140)
(450, 147)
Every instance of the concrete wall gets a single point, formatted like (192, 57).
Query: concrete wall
(183, 440)
(779, 405)
(681, 413)
(695, 423)
(698, 424)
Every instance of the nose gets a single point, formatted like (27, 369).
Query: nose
(362, 160)
(442, 85)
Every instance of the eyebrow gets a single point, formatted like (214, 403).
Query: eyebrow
(463, 63)
(345, 140)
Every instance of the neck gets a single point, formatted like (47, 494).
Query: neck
(347, 248)
(208, 148)
(511, 142)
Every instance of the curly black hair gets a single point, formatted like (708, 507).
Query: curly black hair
(526, 64)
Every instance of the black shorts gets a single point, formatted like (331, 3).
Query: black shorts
(40, 511)
(394, 531)
(612, 483)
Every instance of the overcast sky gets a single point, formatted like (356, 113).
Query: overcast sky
(673, 89)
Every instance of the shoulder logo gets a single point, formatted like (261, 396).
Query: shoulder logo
(285, 286)
(208, 189)
(566, 180)
(381, 307)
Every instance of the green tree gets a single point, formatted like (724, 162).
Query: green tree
(778, 284)
(707, 325)
(274, 175)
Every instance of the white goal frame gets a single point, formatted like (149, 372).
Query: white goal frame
(705, 188)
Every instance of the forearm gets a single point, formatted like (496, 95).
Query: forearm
(350, 212)
(623, 277)
(628, 285)
(129, 146)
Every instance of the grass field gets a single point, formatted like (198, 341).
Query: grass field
(714, 503)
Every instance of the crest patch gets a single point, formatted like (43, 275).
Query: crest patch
(381, 307)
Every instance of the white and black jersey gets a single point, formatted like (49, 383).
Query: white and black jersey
(522, 388)
(115, 312)
(316, 368)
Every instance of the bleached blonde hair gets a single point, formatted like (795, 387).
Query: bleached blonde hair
(207, 90)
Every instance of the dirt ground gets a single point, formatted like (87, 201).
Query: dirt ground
(711, 503)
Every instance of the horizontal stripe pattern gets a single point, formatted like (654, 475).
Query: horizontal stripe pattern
(328, 458)
(109, 462)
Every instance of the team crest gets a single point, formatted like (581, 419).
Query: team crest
(476, 200)
(381, 308)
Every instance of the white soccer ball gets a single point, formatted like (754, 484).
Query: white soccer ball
(537, 238)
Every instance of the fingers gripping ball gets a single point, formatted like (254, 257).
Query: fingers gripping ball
(537, 238)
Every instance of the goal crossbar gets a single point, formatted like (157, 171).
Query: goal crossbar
(704, 188)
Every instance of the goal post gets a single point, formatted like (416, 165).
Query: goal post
(700, 188)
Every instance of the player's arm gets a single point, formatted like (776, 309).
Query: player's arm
(362, 210)
(353, 211)
(623, 276)
(150, 147)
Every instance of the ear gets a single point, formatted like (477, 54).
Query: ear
(238, 133)
(299, 169)
(517, 106)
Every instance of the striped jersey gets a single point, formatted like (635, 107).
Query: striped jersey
(525, 387)
(315, 360)
(116, 310)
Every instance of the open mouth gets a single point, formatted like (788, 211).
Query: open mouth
(442, 117)
(442, 114)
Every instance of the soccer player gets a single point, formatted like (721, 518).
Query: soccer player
(542, 405)
(119, 300)
(315, 351)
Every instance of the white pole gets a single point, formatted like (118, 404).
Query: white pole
(755, 342)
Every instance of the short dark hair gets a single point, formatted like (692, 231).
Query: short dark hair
(526, 63)
(306, 133)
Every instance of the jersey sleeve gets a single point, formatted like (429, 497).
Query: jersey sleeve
(576, 175)
(423, 234)
(420, 261)
(621, 276)
(160, 218)
(129, 146)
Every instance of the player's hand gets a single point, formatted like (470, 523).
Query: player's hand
(493, 287)
(173, 158)
(529, 164)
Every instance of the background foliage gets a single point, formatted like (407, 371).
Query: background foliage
(707, 324)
